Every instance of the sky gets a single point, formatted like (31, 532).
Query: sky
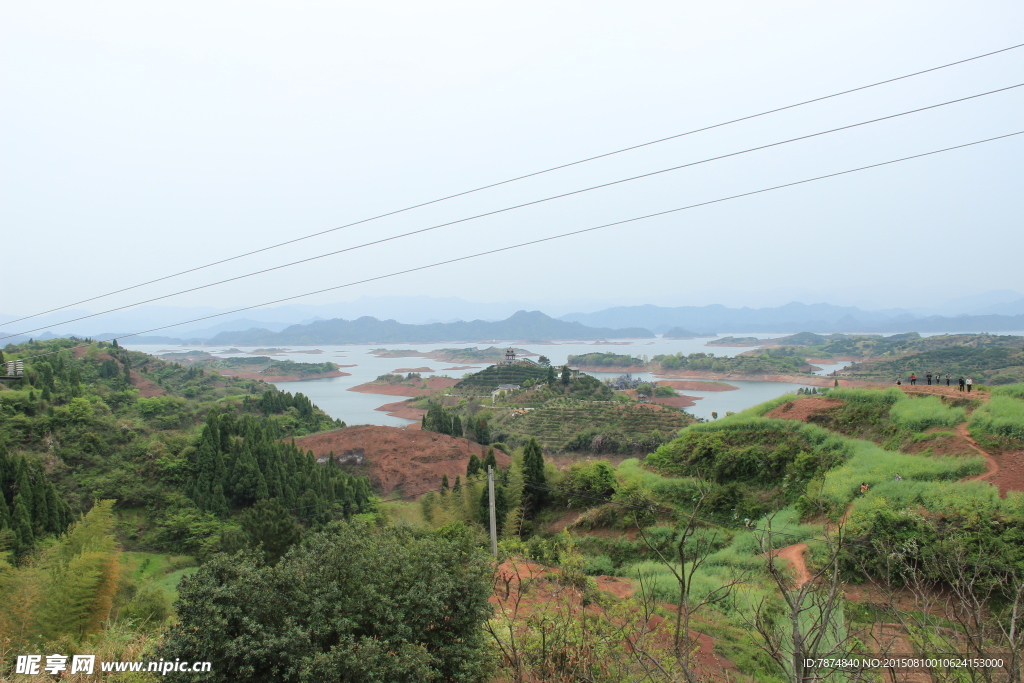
(141, 139)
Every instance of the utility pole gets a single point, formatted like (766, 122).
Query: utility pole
(490, 497)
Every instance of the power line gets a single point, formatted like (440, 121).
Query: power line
(547, 239)
(523, 177)
(515, 207)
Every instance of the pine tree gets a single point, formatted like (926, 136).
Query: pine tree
(534, 481)
(444, 484)
(473, 467)
(456, 426)
(490, 461)
(551, 376)
(566, 376)
(458, 485)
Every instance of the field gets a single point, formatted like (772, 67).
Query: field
(598, 427)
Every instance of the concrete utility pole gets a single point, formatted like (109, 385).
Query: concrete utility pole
(490, 498)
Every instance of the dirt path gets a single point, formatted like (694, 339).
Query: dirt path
(794, 554)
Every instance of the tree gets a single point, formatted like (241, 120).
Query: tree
(444, 484)
(551, 376)
(352, 603)
(270, 529)
(490, 461)
(566, 375)
(543, 360)
(473, 467)
(535, 496)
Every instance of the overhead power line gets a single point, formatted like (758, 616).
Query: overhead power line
(550, 238)
(524, 177)
(513, 208)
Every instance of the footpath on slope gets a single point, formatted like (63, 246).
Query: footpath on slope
(1009, 477)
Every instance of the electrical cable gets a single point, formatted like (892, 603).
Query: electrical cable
(544, 239)
(523, 177)
(507, 209)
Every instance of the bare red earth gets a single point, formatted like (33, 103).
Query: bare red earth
(434, 385)
(412, 460)
(403, 410)
(147, 388)
(403, 370)
(803, 408)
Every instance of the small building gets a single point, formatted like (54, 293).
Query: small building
(501, 388)
(510, 356)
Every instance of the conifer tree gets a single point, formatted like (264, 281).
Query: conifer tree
(534, 495)
(473, 467)
(444, 484)
(458, 485)
(490, 461)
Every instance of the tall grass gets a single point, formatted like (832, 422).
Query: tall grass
(966, 499)
(868, 396)
(918, 414)
(1013, 390)
(1002, 415)
(873, 465)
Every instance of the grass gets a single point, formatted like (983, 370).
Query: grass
(1001, 415)
(873, 465)
(164, 570)
(919, 413)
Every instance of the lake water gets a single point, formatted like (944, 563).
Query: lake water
(332, 394)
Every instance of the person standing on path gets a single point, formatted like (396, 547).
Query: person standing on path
(928, 377)
(913, 379)
(961, 380)
(969, 383)
(947, 379)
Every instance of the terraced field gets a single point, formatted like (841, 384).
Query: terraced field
(599, 426)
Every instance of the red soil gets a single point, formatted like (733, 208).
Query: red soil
(794, 555)
(802, 408)
(697, 386)
(434, 385)
(402, 370)
(412, 460)
(676, 401)
(403, 410)
(525, 590)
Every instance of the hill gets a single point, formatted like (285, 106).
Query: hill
(531, 326)
(397, 459)
(792, 316)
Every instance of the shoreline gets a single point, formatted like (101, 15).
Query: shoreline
(252, 374)
(435, 385)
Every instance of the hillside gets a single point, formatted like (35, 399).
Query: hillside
(397, 459)
(529, 326)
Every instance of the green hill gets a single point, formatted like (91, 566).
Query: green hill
(487, 380)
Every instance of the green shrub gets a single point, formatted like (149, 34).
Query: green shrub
(1014, 390)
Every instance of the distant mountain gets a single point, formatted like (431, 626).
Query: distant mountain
(793, 317)
(528, 326)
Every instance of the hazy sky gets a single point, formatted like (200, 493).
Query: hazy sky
(144, 138)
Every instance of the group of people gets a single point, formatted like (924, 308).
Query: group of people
(961, 383)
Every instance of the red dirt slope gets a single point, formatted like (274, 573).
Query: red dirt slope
(411, 459)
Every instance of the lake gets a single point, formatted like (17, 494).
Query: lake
(332, 394)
